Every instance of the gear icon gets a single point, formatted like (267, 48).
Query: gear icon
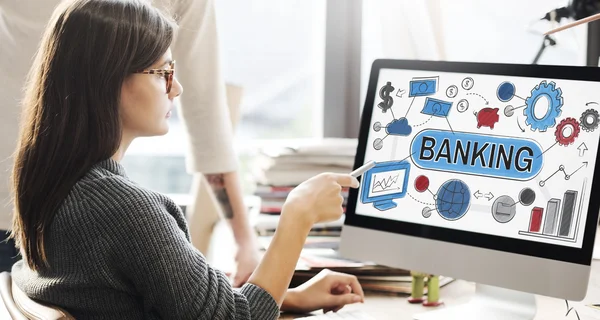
(555, 102)
(589, 120)
(560, 131)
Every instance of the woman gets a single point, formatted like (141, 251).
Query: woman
(97, 244)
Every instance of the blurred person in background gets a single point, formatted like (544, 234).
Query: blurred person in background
(203, 109)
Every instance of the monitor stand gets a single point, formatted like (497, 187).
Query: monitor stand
(383, 205)
(489, 303)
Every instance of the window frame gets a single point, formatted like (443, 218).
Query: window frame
(343, 41)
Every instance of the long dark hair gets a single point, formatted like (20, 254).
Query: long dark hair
(70, 117)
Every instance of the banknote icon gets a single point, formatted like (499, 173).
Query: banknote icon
(436, 108)
(423, 86)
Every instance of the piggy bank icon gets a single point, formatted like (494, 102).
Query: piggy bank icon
(487, 117)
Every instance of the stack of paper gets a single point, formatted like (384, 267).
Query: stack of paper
(292, 162)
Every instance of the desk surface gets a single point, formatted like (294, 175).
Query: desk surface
(459, 291)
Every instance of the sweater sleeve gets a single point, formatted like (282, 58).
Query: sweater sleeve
(149, 248)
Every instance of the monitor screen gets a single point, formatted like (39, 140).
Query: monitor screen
(506, 154)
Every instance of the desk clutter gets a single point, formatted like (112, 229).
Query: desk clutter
(321, 252)
(277, 170)
(289, 162)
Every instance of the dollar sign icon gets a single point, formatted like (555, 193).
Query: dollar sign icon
(452, 91)
(384, 93)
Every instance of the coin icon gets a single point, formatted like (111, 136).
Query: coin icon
(452, 91)
(468, 83)
(462, 106)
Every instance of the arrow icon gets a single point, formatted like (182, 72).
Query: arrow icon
(582, 149)
(477, 194)
(489, 196)
(400, 93)
(568, 176)
(519, 124)
(477, 94)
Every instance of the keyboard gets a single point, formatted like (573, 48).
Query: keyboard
(348, 315)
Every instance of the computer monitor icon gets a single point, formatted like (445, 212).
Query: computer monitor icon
(384, 182)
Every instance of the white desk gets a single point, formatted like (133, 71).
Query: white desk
(397, 308)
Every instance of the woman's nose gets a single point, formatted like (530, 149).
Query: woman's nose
(176, 89)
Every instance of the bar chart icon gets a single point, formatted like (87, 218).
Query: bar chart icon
(556, 220)
(568, 209)
(535, 223)
(552, 212)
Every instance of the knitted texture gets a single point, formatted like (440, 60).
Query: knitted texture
(119, 251)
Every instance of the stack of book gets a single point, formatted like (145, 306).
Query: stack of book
(290, 162)
(278, 168)
(322, 253)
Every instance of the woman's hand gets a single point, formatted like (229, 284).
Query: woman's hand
(328, 290)
(318, 199)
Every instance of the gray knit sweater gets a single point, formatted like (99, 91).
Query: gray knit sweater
(119, 251)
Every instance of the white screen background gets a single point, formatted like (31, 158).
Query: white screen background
(479, 217)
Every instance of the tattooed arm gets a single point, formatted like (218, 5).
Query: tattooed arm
(228, 191)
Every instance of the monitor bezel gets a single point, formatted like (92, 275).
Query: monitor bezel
(581, 255)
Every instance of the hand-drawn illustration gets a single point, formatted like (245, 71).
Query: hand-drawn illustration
(526, 196)
(467, 83)
(506, 91)
(561, 168)
(468, 169)
(553, 96)
(488, 195)
(436, 108)
(589, 120)
(462, 105)
(400, 93)
(426, 212)
(567, 131)
(385, 182)
(558, 220)
(504, 209)
(384, 93)
(487, 117)
(419, 87)
(421, 183)
(453, 199)
(452, 91)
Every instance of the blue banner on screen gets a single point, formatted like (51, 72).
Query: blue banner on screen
(485, 155)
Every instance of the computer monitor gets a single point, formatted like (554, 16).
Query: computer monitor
(484, 172)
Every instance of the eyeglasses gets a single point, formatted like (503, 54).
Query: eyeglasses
(167, 73)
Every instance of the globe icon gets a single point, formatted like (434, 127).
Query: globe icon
(453, 199)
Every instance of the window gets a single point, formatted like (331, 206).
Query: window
(466, 30)
(275, 51)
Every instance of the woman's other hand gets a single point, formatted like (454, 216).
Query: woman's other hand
(328, 290)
